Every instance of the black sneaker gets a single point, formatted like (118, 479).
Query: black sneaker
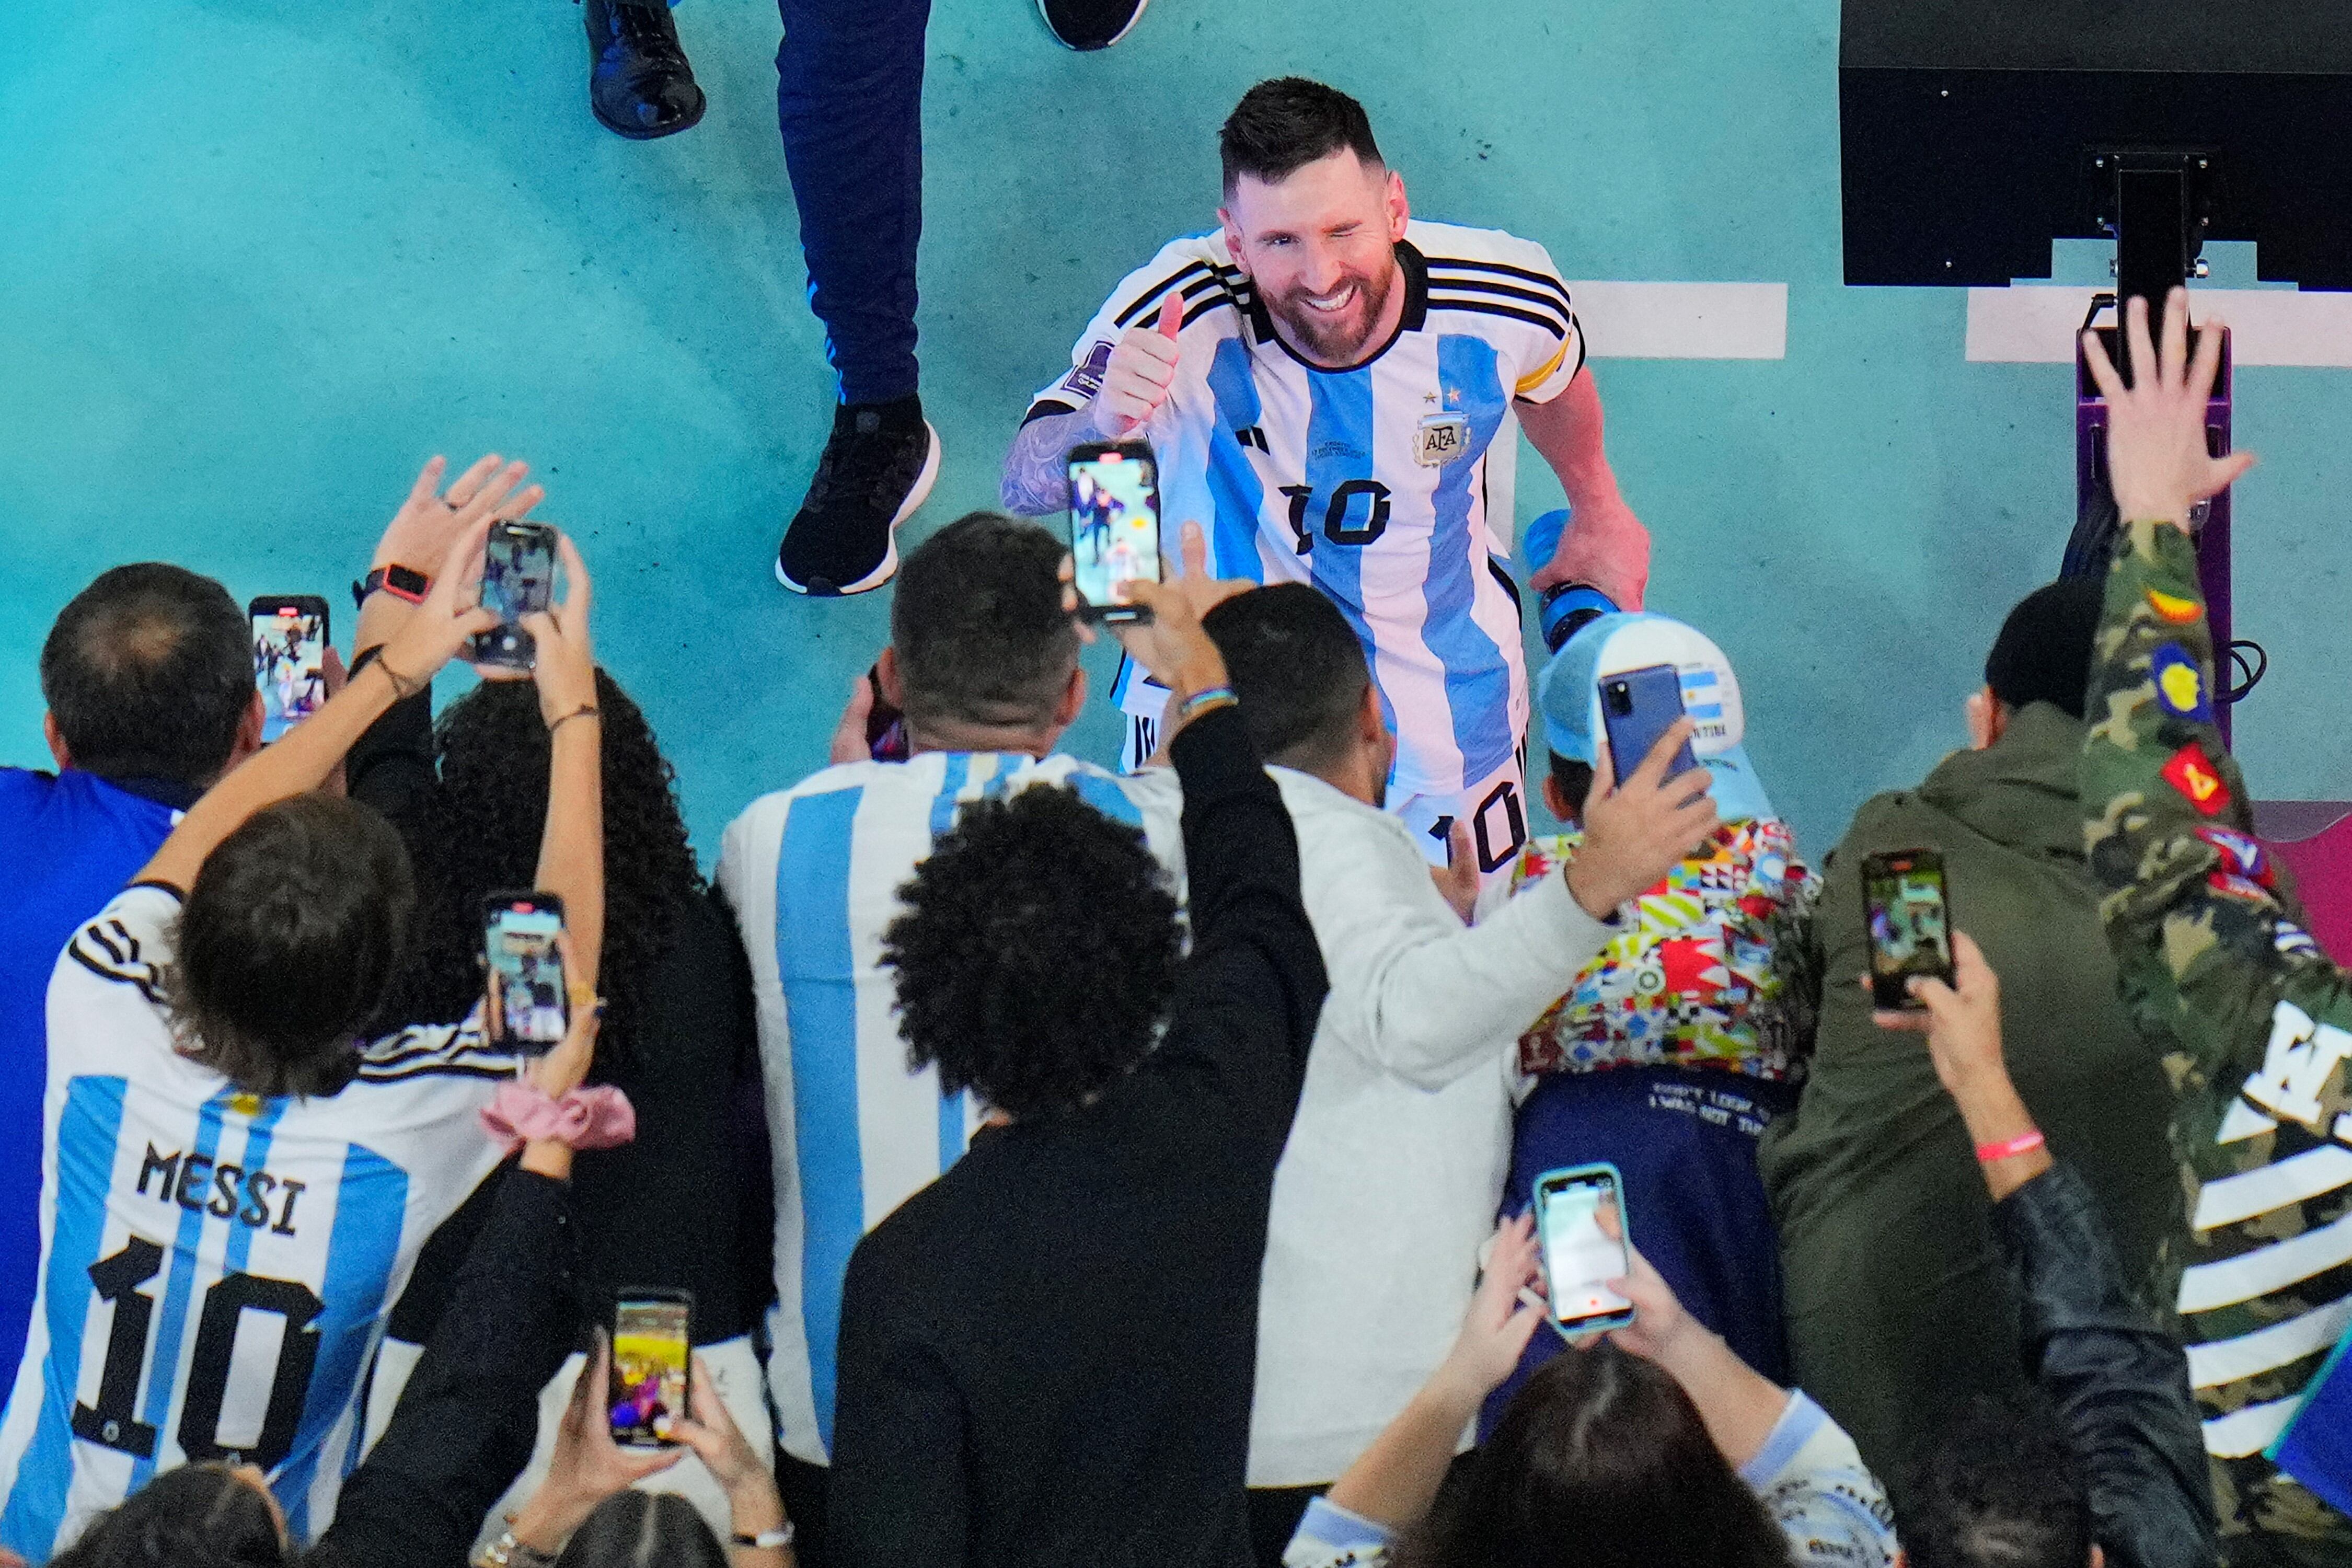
(878, 468)
(640, 85)
(1090, 23)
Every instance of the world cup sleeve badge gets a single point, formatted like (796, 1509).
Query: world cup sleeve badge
(2181, 684)
(2192, 772)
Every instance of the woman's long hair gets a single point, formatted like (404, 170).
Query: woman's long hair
(480, 834)
(643, 1530)
(196, 1516)
(1601, 1462)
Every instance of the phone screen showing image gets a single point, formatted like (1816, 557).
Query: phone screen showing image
(518, 580)
(1910, 923)
(1114, 525)
(1579, 1257)
(651, 1345)
(527, 968)
(289, 664)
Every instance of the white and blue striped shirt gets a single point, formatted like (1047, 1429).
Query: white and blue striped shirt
(813, 874)
(215, 1264)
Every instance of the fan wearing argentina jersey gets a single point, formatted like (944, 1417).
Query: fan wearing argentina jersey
(234, 1187)
(1334, 388)
(984, 663)
(2211, 955)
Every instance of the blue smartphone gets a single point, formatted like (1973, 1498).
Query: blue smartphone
(1637, 706)
(1579, 1257)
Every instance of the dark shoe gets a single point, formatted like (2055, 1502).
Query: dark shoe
(1090, 23)
(641, 86)
(878, 468)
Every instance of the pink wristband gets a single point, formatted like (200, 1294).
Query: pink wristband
(597, 1118)
(2023, 1143)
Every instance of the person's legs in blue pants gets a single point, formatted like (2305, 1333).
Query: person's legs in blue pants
(849, 105)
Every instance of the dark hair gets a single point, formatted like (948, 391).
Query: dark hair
(480, 834)
(2043, 651)
(287, 941)
(1998, 1487)
(1298, 668)
(1601, 1462)
(194, 1516)
(978, 624)
(642, 1529)
(149, 672)
(1282, 125)
(1574, 778)
(1037, 954)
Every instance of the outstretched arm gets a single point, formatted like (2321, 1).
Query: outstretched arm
(571, 844)
(1605, 544)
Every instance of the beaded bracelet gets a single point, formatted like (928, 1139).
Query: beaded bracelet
(1205, 700)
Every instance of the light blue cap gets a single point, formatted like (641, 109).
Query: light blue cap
(1569, 696)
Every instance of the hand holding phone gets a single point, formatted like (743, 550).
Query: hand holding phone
(1114, 526)
(649, 1386)
(1580, 1255)
(1637, 708)
(529, 1001)
(289, 660)
(1909, 922)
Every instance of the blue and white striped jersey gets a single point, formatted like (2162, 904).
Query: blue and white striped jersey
(214, 1266)
(813, 874)
(1387, 486)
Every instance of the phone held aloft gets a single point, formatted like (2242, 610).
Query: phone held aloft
(651, 1374)
(1909, 923)
(1637, 708)
(289, 660)
(518, 580)
(529, 1007)
(1579, 1258)
(1114, 527)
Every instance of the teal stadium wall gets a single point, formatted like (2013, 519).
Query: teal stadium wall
(258, 259)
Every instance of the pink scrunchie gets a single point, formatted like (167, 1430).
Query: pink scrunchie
(596, 1118)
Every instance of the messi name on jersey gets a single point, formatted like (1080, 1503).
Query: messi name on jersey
(223, 1190)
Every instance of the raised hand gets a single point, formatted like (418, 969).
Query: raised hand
(432, 518)
(1142, 368)
(564, 666)
(2156, 457)
(587, 1466)
(450, 615)
(1634, 833)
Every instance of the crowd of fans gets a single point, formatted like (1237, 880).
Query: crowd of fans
(1071, 1166)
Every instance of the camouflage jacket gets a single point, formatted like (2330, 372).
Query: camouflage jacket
(2211, 953)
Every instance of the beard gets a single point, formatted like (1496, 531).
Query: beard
(1340, 338)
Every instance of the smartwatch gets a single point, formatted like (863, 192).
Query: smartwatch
(400, 582)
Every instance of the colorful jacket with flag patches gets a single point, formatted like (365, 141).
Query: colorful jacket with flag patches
(2211, 950)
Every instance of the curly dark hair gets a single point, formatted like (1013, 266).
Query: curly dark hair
(480, 834)
(1599, 1461)
(1037, 955)
(1998, 1487)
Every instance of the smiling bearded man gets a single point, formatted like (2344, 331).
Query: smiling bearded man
(1330, 388)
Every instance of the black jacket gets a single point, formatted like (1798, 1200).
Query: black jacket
(2120, 1383)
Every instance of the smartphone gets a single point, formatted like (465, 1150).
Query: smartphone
(1114, 526)
(1637, 706)
(526, 968)
(518, 580)
(886, 726)
(653, 1362)
(1910, 922)
(289, 660)
(1579, 1257)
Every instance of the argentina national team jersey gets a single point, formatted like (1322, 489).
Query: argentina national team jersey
(1387, 486)
(215, 1265)
(813, 874)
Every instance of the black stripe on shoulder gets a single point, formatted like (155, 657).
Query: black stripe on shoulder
(1045, 408)
(446, 1069)
(142, 978)
(1501, 290)
(1223, 301)
(1544, 280)
(1150, 298)
(96, 933)
(1490, 308)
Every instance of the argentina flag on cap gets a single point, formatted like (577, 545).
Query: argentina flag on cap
(1568, 694)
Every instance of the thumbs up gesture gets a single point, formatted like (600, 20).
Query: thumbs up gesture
(1142, 367)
